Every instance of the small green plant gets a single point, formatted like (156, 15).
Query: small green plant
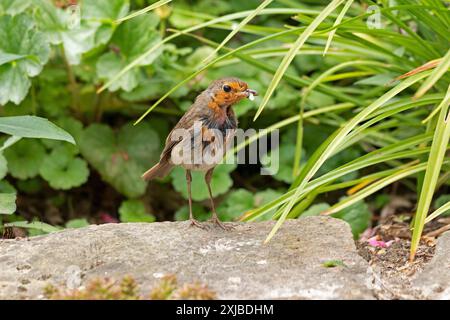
(333, 263)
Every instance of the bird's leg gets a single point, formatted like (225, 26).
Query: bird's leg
(191, 215)
(214, 217)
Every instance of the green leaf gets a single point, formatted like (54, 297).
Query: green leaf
(263, 197)
(199, 55)
(134, 211)
(221, 182)
(376, 80)
(436, 157)
(15, 84)
(237, 203)
(3, 166)
(23, 52)
(357, 215)
(41, 226)
(282, 68)
(6, 187)
(62, 170)
(121, 157)
(33, 127)
(30, 186)
(199, 212)
(333, 263)
(9, 142)
(25, 158)
(235, 30)
(437, 73)
(105, 9)
(441, 201)
(144, 10)
(315, 209)
(13, 7)
(7, 203)
(77, 223)
(286, 154)
(57, 24)
(131, 40)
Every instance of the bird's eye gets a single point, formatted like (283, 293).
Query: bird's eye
(226, 88)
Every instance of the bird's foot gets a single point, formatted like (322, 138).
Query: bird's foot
(196, 223)
(224, 226)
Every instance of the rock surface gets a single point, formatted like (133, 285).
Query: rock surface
(434, 281)
(235, 264)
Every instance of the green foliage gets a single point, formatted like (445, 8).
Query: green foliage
(220, 183)
(7, 203)
(3, 166)
(333, 263)
(41, 227)
(33, 127)
(131, 39)
(237, 203)
(315, 209)
(62, 170)
(199, 212)
(134, 211)
(121, 157)
(440, 201)
(357, 215)
(25, 158)
(77, 223)
(23, 52)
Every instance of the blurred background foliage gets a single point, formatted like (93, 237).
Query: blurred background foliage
(53, 67)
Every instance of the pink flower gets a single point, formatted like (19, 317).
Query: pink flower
(377, 242)
(107, 218)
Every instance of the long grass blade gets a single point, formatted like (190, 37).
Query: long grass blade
(337, 22)
(246, 20)
(143, 11)
(438, 212)
(338, 140)
(292, 52)
(211, 22)
(437, 73)
(434, 164)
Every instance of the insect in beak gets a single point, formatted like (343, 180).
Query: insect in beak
(251, 94)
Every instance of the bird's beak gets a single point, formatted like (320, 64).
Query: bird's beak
(251, 93)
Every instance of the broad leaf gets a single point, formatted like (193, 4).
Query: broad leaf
(23, 52)
(25, 158)
(198, 211)
(7, 203)
(221, 182)
(236, 203)
(357, 215)
(62, 170)
(134, 211)
(130, 41)
(33, 127)
(121, 157)
(77, 223)
(13, 7)
(3, 166)
(40, 226)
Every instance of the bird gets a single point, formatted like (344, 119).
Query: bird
(200, 139)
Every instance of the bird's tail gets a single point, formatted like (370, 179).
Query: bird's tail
(159, 170)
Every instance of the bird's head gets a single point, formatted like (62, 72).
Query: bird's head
(227, 91)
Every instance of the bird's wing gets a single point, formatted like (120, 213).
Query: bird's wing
(186, 122)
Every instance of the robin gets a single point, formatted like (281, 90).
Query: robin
(202, 136)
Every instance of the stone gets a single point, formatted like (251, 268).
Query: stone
(434, 281)
(235, 264)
